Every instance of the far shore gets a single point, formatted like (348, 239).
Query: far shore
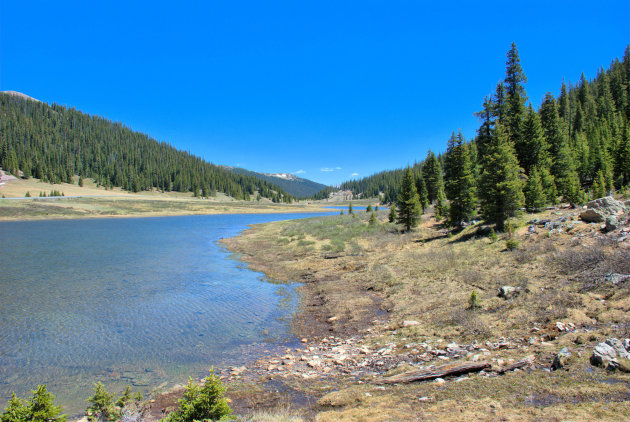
(64, 208)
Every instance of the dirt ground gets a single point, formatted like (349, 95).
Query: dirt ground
(375, 303)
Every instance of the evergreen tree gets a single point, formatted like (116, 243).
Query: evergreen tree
(516, 98)
(598, 189)
(535, 197)
(422, 193)
(441, 204)
(432, 175)
(368, 208)
(372, 221)
(459, 181)
(408, 202)
(41, 407)
(350, 211)
(202, 403)
(535, 150)
(392, 213)
(101, 405)
(16, 411)
(623, 158)
(501, 191)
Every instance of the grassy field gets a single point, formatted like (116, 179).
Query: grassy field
(91, 201)
(362, 279)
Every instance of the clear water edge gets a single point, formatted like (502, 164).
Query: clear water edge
(141, 301)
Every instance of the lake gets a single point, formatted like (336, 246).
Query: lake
(140, 301)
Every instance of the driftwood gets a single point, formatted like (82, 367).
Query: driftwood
(516, 365)
(439, 372)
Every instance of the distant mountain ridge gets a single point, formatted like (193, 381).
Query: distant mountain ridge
(53, 143)
(292, 184)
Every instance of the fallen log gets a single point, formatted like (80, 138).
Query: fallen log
(516, 365)
(439, 372)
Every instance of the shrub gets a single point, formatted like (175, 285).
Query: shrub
(372, 221)
(41, 408)
(202, 403)
(493, 236)
(512, 244)
(474, 300)
(101, 405)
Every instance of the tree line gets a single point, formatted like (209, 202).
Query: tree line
(573, 147)
(53, 143)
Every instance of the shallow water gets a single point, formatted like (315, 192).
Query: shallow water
(140, 301)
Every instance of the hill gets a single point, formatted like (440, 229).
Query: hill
(53, 143)
(292, 184)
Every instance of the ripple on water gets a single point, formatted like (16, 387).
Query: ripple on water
(141, 301)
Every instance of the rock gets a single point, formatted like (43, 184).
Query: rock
(619, 348)
(304, 340)
(410, 323)
(508, 292)
(560, 326)
(611, 224)
(531, 229)
(561, 358)
(439, 381)
(591, 216)
(608, 205)
(615, 278)
(604, 355)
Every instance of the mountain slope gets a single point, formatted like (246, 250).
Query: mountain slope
(53, 143)
(292, 184)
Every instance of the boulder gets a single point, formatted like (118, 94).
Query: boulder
(561, 359)
(611, 224)
(508, 292)
(604, 355)
(608, 205)
(619, 347)
(591, 216)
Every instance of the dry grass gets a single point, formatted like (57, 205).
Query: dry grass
(428, 276)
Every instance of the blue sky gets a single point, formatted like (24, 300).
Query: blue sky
(331, 90)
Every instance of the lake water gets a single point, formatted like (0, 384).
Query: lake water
(140, 301)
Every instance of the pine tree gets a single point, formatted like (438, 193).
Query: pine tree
(16, 411)
(408, 202)
(459, 180)
(392, 213)
(432, 175)
(350, 211)
(441, 204)
(101, 404)
(422, 193)
(535, 197)
(535, 150)
(516, 98)
(500, 191)
(368, 208)
(623, 158)
(372, 221)
(42, 408)
(598, 190)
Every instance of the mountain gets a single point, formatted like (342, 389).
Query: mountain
(292, 184)
(20, 95)
(53, 143)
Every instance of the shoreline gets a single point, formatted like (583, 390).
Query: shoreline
(117, 207)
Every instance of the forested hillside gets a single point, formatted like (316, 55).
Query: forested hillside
(294, 186)
(574, 147)
(53, 143)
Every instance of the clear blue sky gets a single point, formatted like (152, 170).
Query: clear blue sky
(324, 88)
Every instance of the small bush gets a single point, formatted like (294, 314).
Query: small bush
(202, 403)
(473, 301)
(101, 405)
(40, 408)
(512, 244)
(493, 236)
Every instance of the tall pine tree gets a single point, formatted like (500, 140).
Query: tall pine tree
(459, 180)
(408, 201)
